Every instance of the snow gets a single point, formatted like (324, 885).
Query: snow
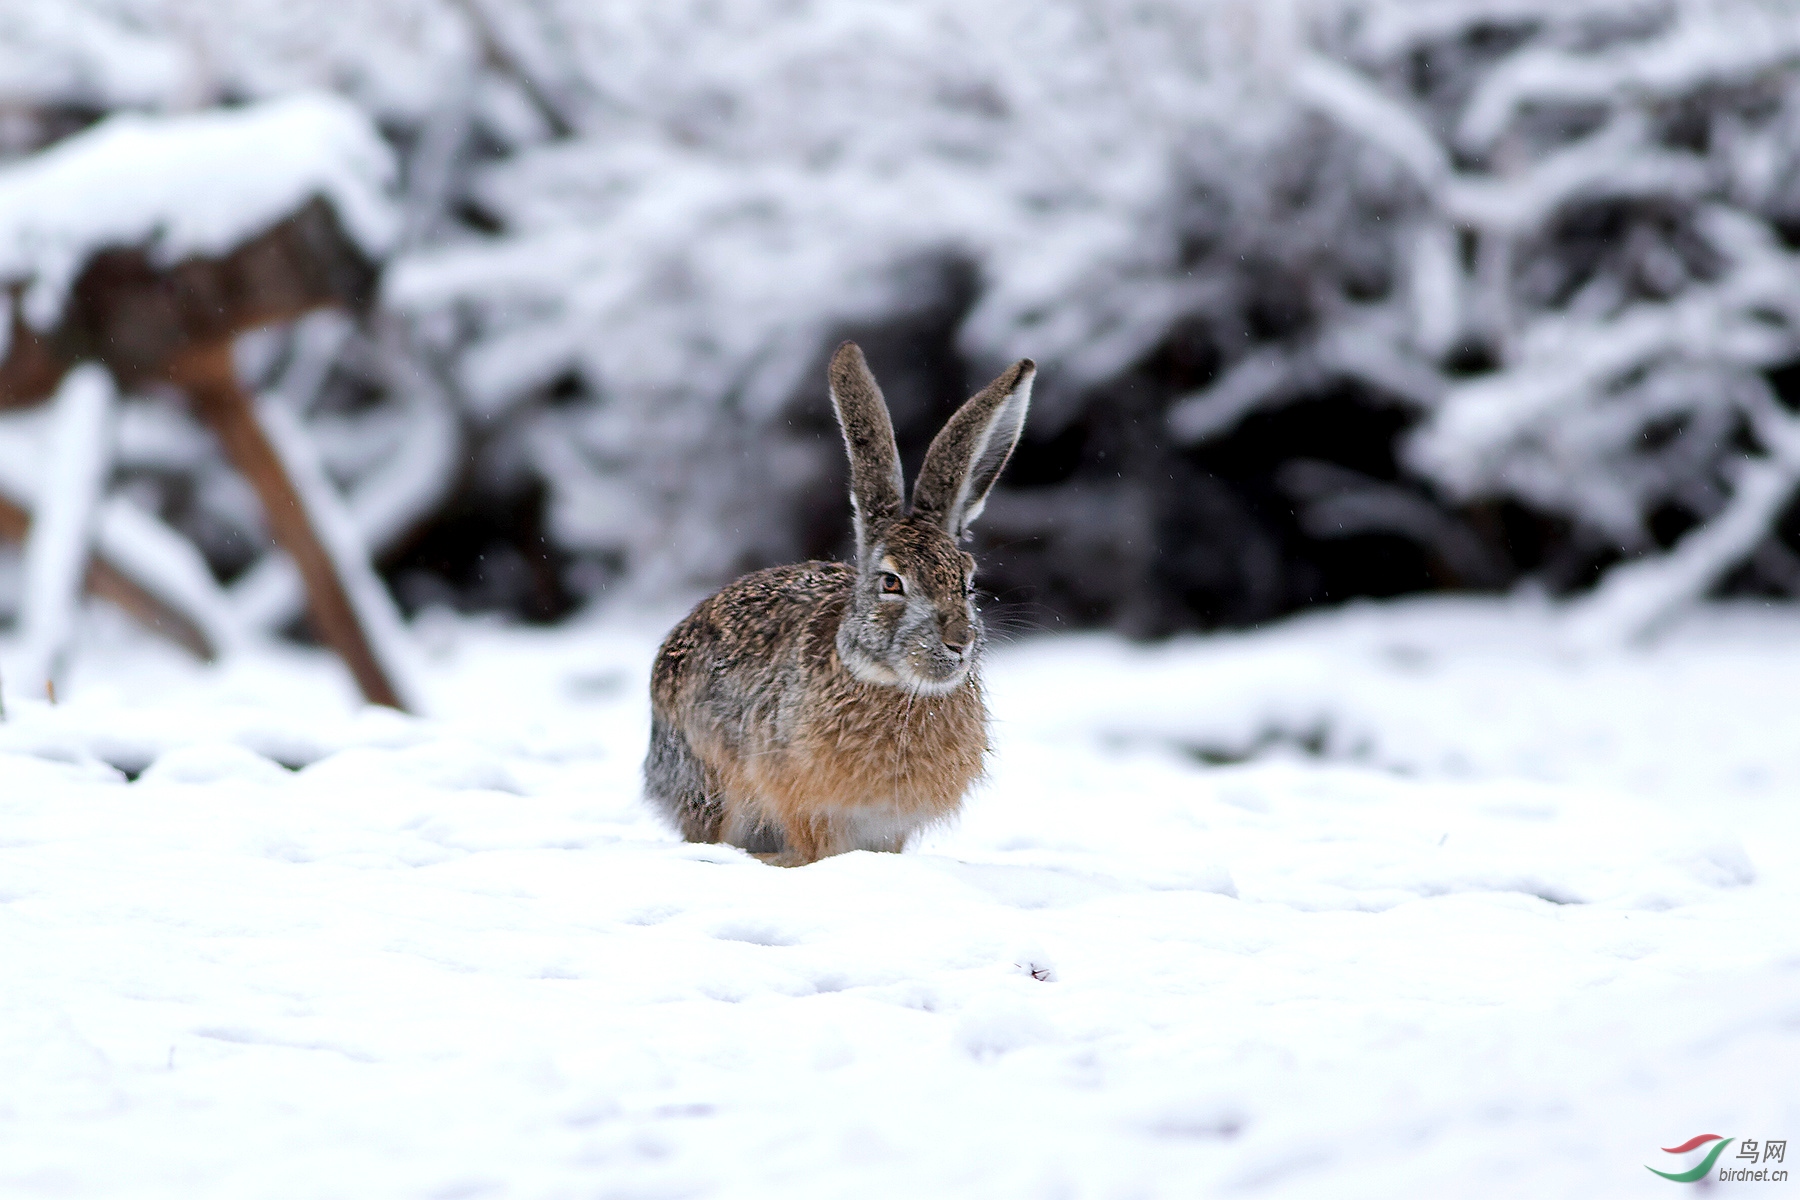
(168, 566)
(741, 184)
(1636, 596)
(189, 184)
(77, 54)
(64, 516)
(1394, 900)
(137, 542)
(1696, 49)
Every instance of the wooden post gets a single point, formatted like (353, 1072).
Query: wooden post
(32, 368)
(209, 377)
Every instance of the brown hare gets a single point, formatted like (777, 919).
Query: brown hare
(808, 710)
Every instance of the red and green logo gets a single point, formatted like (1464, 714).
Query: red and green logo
(1706, 1164)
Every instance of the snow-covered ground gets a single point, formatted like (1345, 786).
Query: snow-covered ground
(1397, 901)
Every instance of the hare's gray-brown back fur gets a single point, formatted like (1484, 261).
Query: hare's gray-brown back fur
(807, 710)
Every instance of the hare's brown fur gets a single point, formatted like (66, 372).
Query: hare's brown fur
(805, 711)
(827, 765)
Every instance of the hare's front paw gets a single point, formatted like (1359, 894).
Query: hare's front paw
(786, 858)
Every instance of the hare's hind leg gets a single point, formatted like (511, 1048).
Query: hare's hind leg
(744, 828)
(675, 781)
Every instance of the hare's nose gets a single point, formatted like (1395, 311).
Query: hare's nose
(956, 638)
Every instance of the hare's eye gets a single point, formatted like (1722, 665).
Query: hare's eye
(891, 585)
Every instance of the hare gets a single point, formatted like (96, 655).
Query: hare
(809, 710)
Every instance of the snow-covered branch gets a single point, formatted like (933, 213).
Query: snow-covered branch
(77, 462)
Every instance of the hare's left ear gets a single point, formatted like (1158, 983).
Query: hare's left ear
(968, 454)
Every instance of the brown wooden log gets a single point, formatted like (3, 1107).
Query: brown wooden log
(138, 317)
(209, 377)
(31, 369)
(110, 583)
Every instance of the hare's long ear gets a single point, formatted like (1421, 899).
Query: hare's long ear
(968, 454)
(876, 489)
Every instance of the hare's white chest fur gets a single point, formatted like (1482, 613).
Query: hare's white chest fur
(880, 827)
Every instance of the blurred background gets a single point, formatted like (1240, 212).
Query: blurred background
(1331, 298)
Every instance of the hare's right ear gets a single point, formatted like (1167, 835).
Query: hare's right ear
(876, 490)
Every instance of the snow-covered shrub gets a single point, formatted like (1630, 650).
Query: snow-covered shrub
(1614, 201)
(1516, 250)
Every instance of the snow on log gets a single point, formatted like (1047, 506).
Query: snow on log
(58, 545)
(139, 563)
(193, 185)
(110, 583)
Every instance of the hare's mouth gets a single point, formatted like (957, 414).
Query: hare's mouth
(934, 676)
(920, 672)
